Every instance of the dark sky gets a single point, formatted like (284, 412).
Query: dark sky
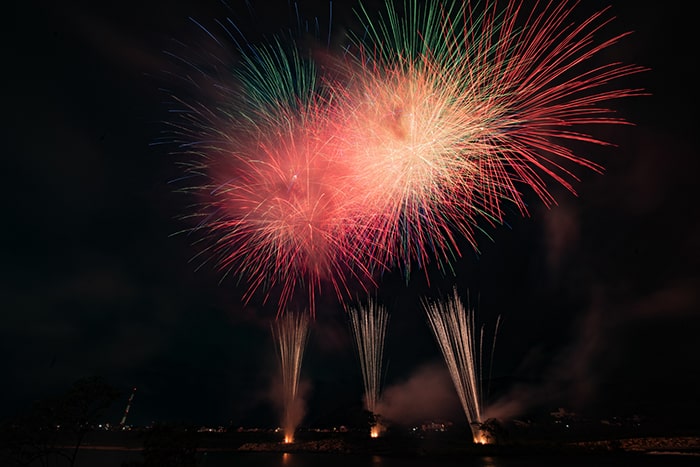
(599, 295)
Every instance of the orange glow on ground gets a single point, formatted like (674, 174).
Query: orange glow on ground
(376, 430)
(480, 437)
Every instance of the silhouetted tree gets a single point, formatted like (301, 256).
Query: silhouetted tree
(83, 406)
(361, 420)
(56, 427)
(495, 431)
(26, 439)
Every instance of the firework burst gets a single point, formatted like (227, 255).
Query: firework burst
(281, 217)
(272, 210)
(459, 108)
(436, 116)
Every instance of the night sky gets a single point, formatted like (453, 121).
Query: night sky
(599, 296)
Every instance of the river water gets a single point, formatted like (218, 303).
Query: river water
(94, 458)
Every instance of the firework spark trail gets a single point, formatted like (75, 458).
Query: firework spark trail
(290, 333)
(369, 324)
(454, 329)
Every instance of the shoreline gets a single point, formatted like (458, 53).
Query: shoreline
(651, 445)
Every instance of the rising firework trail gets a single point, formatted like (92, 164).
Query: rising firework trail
(369, 324)
(455, 332)
(290, 333)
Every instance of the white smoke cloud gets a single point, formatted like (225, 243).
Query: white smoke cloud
(608, 344)
(426, 395)
(562, 231)
(297, 410)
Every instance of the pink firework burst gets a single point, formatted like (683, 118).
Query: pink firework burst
(271, 208)
(281, 219)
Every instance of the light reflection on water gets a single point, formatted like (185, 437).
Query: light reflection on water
(272, 459)
(356, 460)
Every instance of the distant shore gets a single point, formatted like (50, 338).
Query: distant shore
(653, 445)
(391, 446)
